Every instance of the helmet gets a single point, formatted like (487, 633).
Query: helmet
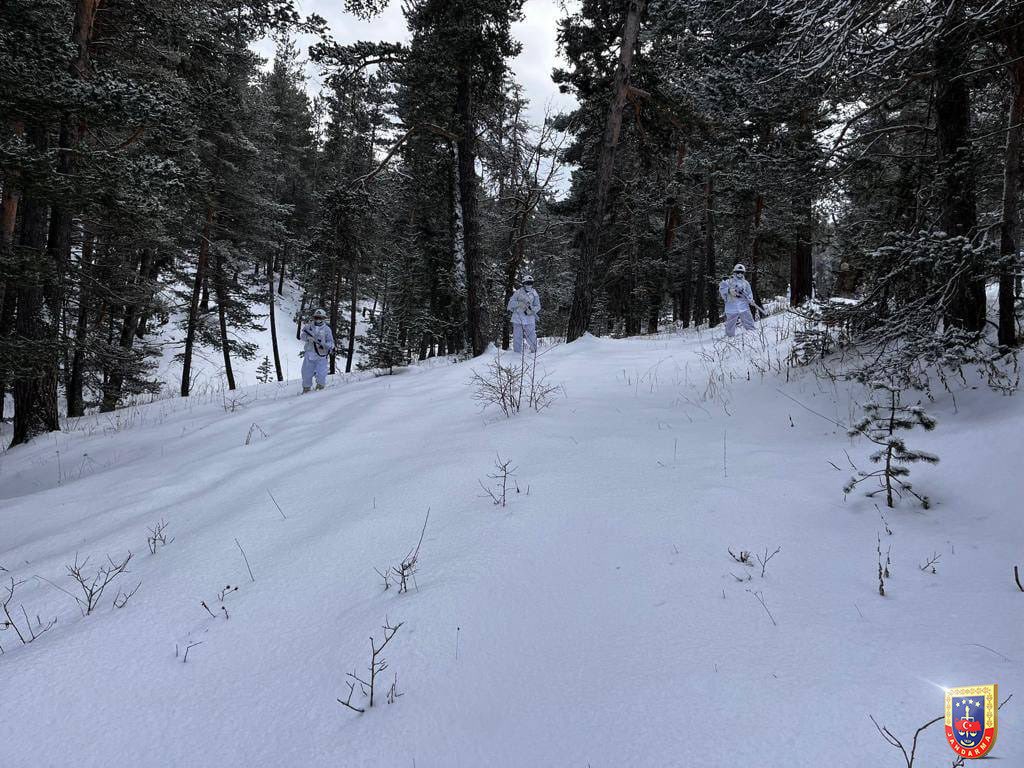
(320, 315)
(527, 279)
(740, 269)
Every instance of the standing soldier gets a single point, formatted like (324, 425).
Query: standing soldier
(319, 345)
(524, 306)
(738, 300)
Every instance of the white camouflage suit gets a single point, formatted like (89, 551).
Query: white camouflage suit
(738, 298)
(524, 306)
(319, 345)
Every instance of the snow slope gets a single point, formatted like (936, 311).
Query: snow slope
(592, 621)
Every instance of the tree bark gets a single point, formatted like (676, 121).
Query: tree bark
(352, 310)
(709, 251)
(76, 381)
(755, 248)
(221, 289)
(302, 314)
(193, 310)
(582, 306)
(1010, 227)
(115, 380)
(335, 308)
(959, 215)
(467, 200)
(801, 262)
(35, 374)
(273, 326)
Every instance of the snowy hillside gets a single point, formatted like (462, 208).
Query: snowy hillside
(597, 619)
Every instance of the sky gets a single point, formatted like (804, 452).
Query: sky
(532, 67)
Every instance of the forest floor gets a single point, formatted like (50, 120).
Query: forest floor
(597, 619)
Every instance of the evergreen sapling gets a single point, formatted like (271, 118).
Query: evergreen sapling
(881, 424)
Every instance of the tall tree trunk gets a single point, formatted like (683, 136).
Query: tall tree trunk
(755, 248)
(467, 183)
(76, 381)
(9, 200)
(335, 308)
(353, 298)
(273, 326)
(959, 215)
(710, 288)
(204, 300)
(71, 130)
(6, 327)
(1010, 228)
(132, 310)
(193, 309)
(801, 262)
(582, 306)
(700, 277)
(35, 373)
(302, 314)
(221, 289)
(686, 290)
(147, 311)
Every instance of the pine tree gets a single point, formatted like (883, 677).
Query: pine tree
(380, 348)
(881, 424)
(264, 371)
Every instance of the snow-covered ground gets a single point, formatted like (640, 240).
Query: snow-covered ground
(595, 620)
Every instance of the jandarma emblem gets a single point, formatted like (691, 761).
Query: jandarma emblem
(971, 719)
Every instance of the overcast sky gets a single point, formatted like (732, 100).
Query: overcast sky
(532, 67)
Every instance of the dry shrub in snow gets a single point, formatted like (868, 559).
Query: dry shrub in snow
(91, 587)
(158, 537)
(26, 633)
(502, 476)
(405, 571)
(376, 666)
(512, 385)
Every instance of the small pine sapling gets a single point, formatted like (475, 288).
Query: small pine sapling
(881, 424)
(264, 371)
(381, 348)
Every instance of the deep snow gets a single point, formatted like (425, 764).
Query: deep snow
(592, 621)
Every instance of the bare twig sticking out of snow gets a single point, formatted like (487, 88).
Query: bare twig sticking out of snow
(763, 559)
(283, 515)
(909, 758)
(929, 564)
(377, 665)
(92, 587)
(893, 741)
(188, 648)
(991, 650)
(121, 598)
(253, 429)
(503, 472)
(405, 571)
(29, 633)
(760, 598)
(158, 537)
(1016, 577)
(248, 567)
